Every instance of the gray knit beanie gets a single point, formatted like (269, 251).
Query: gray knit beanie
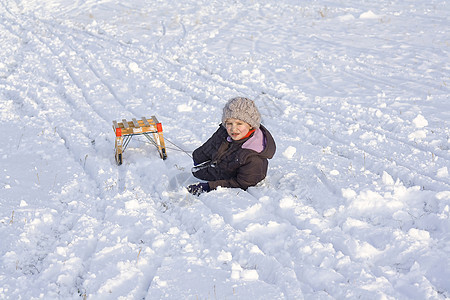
(243, 109)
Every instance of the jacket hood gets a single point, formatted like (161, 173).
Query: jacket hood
(262, 142)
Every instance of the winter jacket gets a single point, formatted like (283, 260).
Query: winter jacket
(238, 164)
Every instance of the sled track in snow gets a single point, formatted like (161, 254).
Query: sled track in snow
(163, 75)
(51, 102)
(64, 125)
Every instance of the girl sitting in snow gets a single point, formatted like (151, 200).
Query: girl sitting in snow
(237, 154)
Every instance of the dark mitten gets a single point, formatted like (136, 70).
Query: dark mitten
(197, 189)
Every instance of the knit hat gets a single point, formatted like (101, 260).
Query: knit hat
(243, 109)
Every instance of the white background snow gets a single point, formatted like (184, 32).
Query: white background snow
(356, 203)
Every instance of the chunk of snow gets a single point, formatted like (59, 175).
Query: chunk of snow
(420, 122)
(134, 67)
(184, 108)
(334, 172)
(369, 15)
(289, 152)
(287, 202)
(236, 270)
(250, 275)
(224, 256)
(345, 18)
(442, 172)
(348, 193)
(417, 135)
(132, 204)
(387, 179)
(419, 234)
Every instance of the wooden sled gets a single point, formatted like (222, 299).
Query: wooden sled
(127, 129)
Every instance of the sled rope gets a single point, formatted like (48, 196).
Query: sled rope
(188, 153)
(177, 148)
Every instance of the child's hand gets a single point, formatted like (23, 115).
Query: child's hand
(197, 189)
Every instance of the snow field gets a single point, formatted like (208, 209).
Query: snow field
(356, 203)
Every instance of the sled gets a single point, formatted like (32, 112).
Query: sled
(150, 128)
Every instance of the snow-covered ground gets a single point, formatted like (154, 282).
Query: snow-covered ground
(356, 203)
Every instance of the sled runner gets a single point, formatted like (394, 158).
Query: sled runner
(127, 129)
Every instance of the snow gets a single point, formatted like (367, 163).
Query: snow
(420, 121)
(356, 203)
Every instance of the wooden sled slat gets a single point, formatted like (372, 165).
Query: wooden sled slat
(146, 123)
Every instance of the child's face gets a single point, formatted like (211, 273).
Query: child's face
(236, 128)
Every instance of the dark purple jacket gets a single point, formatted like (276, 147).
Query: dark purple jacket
(236, 164)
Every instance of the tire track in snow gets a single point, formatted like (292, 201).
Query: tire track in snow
(76, 79)
(341, 121)
(67, 109)
(64, 93)
(164, 76)
(70, 142)
(27, 105)
(67, 41)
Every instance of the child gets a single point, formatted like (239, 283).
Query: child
(237, 154)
